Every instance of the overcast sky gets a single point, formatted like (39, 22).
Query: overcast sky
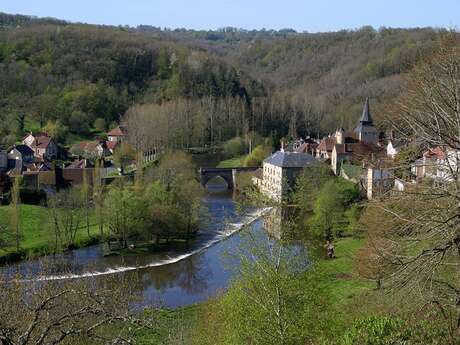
(301, 15)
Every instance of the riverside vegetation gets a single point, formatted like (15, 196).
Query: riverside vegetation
(394, 278)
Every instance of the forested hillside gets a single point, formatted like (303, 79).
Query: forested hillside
(63, 77)
(68, 76)
(330, 73)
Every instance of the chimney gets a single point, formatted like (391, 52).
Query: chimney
(282, 146)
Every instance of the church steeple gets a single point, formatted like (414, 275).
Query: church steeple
(365, 130)
(366, 117)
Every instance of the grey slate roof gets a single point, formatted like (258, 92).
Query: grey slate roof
(24, 150)
(366, 117)
(290, 159)
(366, 123)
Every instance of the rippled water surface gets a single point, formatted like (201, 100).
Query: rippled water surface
(174, 278)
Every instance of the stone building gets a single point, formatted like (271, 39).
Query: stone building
(42, 144)
(280, 171)
(365, 131)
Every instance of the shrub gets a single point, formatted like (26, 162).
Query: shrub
(234, 147)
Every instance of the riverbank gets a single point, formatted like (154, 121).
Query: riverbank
(37, 238)
(344, 289)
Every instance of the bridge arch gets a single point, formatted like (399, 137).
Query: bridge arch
(216, 178)
(227, 174)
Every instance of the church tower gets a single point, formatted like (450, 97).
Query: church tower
(365, 130)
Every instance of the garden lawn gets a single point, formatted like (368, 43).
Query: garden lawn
(232, 163)
(37, 237)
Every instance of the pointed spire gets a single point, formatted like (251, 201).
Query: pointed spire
(366, 116)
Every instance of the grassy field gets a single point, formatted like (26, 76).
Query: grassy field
(37, 237)
(232, 163)
(342, 283)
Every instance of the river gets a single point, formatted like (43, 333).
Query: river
(170, 279)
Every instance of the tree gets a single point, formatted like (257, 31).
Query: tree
(274, 301)
(56, 130)
(124, 156)
(426, 217)
(234, 147)
(15, 209)
(66, 214)
(257, 156)
(70, 312)
(98, 196)
(86, 201)
(124, 213)
(100, 124)
(329, 220)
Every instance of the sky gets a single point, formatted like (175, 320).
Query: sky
(301, 15)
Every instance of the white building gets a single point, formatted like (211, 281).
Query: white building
(392, 151)
(280, 171)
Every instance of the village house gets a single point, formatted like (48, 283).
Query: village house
(280, 171)
(439, 164)
(364, 138)
(42, 144)
(392, 149)
(39, 166)
(18, 157)
(90, 149)
(307, 145)
(378, 181)
(117, 135)
(357, 146)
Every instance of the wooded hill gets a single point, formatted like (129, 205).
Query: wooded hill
(60, 75)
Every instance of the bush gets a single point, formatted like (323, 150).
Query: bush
(78, 123)
(100, 125)
(56, 130)
(378, 331)
(234, 147)
(257, 156)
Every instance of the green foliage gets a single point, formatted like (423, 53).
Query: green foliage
(257, 156)
(123, 213)
(56, 130)
(308, 185)
(234, 147)
(273, 303)
(329, 212)
(378, 331)
(100, 124)
(124, 155)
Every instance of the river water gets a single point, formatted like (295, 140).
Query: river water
(170, 279)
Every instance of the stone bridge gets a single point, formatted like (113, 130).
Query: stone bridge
(228, 174)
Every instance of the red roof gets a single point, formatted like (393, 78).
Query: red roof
(42, 142)
(111, 145)
(327, 144)
(436, 152)
(120, 131)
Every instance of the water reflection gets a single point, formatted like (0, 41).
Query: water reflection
(278, 223)
(173, 278)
